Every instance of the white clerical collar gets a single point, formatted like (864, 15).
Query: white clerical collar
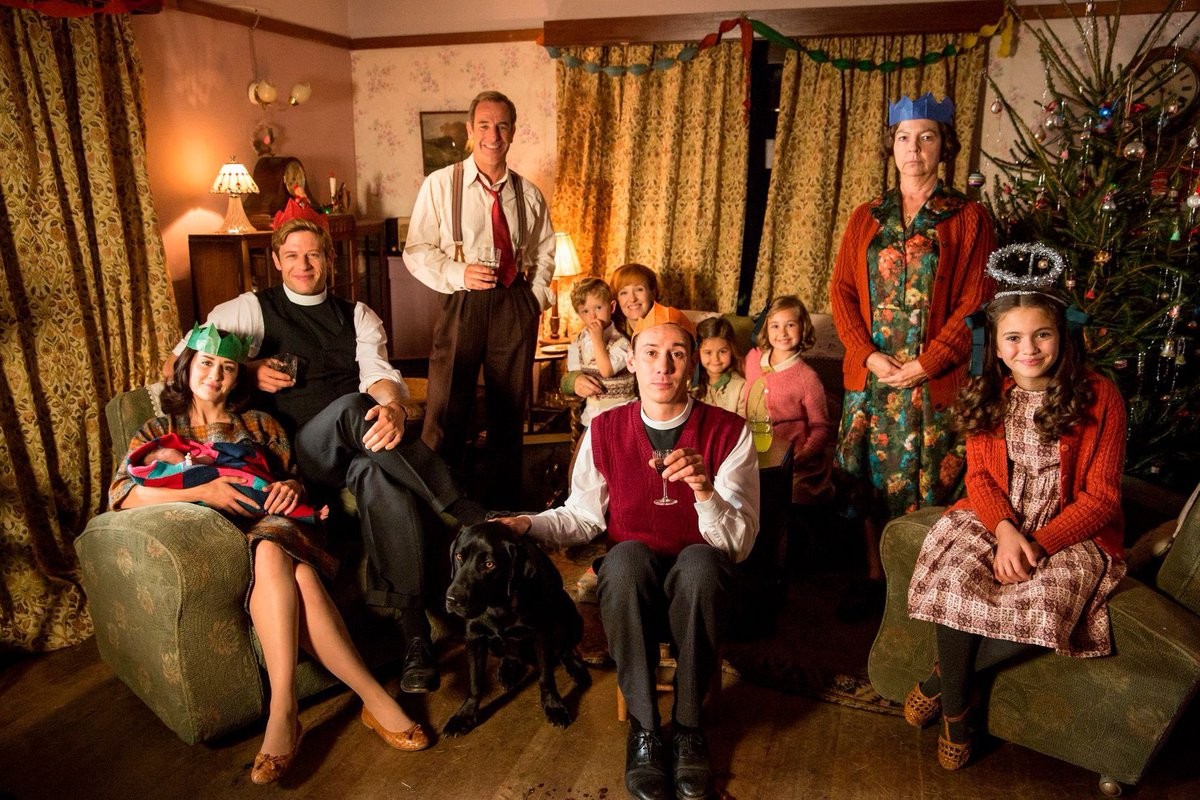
(668, 424)
(306, 299)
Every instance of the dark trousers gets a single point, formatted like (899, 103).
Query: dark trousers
(645, 597)
(391, 487)
(496, 330)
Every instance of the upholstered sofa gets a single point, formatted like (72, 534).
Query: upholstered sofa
(1110, 715)
(166, 586)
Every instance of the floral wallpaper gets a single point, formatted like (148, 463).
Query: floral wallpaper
(393, 87)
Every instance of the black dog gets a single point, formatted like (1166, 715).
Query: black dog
(513, 599)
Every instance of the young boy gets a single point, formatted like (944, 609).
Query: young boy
(600, 349)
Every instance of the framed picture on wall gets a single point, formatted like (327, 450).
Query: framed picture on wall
(443, 138)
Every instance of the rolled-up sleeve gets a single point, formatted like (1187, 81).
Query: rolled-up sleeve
(370, 351)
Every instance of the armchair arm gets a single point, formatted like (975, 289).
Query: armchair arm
(166, 586)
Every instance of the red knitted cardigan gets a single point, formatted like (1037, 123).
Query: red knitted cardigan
(965, 240)
(1092, 456)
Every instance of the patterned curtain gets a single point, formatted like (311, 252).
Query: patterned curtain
(86, 308)
(652, 168)
(827, 158)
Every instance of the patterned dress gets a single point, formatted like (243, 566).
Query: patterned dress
(1064, 606)
(893, 439)
(301, 541)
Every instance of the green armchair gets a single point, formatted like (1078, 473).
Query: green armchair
(166, 586)
(1110, 715)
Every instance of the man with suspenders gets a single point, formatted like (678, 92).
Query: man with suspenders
(490, 315)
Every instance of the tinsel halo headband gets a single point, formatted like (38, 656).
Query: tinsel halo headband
(1043, 266)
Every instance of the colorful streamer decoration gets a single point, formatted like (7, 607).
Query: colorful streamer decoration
(1002, 28)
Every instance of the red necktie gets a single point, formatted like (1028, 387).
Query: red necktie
(501, 239)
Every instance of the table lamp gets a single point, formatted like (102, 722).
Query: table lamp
(234, 180)
(566, 265)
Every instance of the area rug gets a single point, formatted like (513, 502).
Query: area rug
(809, 653)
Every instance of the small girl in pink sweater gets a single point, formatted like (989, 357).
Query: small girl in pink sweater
(781, 386)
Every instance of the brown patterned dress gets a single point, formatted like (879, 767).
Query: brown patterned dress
(1063, 606)
(303, 542)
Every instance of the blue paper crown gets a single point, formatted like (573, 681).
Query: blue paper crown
(924, 107)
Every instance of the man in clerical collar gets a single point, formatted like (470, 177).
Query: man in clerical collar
(674, 540)
(345, 412)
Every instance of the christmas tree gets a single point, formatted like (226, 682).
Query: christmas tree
(1107, 172)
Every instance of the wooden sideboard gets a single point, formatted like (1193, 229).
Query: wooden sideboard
(226, 264)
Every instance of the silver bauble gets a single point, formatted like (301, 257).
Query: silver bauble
(1135, 149)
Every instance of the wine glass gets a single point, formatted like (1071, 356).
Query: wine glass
(660, 464)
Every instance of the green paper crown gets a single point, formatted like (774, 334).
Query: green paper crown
(207, 340)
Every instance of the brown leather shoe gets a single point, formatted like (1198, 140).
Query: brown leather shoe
(953, 755)
(268, 768)
(412, 739)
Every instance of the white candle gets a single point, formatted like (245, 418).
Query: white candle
(332, 190)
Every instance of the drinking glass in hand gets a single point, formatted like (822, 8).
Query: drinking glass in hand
(660, 464)
(287, 363)
(760, 433)
(490, 257)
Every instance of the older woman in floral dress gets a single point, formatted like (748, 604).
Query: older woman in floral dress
(909, 270)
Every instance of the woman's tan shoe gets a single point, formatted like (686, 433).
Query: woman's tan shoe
(953, 755)
(412, 739)
(268, 768)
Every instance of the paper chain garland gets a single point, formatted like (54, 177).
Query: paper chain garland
(1003, 27)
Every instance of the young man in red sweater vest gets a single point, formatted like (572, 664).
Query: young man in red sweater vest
(669, 568)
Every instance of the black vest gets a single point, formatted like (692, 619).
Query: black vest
(324, 338)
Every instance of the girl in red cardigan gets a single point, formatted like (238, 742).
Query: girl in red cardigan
(1027, 560)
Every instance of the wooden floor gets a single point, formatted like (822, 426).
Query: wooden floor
(70, 729)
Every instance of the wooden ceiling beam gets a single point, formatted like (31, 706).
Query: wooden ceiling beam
(954, 17)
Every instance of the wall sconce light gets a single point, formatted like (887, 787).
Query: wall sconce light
(235, 181)
(263, 93)
(566, 265)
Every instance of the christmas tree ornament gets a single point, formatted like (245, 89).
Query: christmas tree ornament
(1109, 203)
(996, 107)
(1193, 200)
(1176, 235)
(1194, 141)
(1101, 258)
(975, 180)
(1039, 135)
(1105, 111)
(1135, 150)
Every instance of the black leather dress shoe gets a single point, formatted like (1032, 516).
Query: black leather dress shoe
(420, 669)
(691, 768)
(645, 775)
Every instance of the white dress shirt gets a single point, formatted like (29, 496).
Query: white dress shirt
(243, 315)
(429, 248)
(728, 520)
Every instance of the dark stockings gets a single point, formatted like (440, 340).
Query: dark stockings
(960, 656)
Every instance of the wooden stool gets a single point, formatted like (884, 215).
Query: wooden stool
(664, 680)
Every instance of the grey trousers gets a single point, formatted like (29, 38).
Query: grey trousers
(646, 598)
(390, 487)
